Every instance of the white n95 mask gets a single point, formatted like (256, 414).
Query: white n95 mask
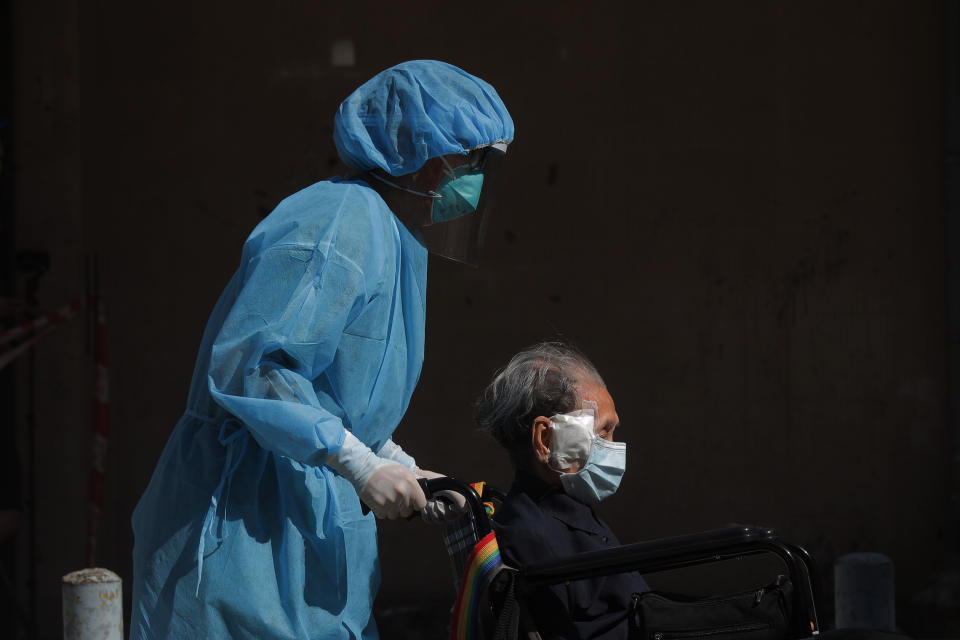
(602, 463)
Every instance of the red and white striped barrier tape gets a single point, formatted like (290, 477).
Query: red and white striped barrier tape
(36, 328)
(52, 319)
(12, 354)
(25, 336)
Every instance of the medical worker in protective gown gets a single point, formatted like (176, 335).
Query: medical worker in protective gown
(252, 525)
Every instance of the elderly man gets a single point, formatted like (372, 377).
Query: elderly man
(252, 524)
(550, 409)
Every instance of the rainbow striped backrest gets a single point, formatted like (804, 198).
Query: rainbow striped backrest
(482, 566)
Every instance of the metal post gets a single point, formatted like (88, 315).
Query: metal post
(864, 592)
(92, 605)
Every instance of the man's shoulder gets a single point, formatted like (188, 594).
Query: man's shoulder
(517, 508)
(523, 529)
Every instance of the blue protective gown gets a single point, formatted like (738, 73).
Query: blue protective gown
(241, 532)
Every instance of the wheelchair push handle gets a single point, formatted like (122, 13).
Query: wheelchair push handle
(474, 503)
(447, 483)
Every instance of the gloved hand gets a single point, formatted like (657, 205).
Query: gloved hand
(387, 487)
(445, 505)
(392, 491)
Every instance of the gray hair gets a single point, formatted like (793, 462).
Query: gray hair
(539, 381)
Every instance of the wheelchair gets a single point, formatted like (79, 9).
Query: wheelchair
(490, 594)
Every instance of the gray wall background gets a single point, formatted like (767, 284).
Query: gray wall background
(734, 208)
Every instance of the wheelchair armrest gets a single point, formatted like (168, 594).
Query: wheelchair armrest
(644, 557)
(684, 551)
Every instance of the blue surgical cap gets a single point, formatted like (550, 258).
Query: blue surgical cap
(415, 111)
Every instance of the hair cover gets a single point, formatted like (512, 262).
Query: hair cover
(415, 111)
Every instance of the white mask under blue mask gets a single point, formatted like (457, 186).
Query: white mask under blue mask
(602, 463)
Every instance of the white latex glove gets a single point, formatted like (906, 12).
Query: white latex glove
(445, 505)
(392, 451)
(388, 488)
(392, 491)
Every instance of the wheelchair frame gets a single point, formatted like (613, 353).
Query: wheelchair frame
(734, 541)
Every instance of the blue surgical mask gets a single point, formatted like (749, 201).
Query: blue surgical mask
(600, 477)
(460, 196)
(575, 442)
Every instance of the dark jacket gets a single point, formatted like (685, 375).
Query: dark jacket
(539, 522)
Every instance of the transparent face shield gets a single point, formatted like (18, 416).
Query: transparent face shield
(457, 230)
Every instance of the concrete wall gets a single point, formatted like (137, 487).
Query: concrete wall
(735, 208)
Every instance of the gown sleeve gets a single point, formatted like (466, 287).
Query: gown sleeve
(280, 335)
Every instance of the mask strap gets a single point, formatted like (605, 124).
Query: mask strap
(433, 195)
